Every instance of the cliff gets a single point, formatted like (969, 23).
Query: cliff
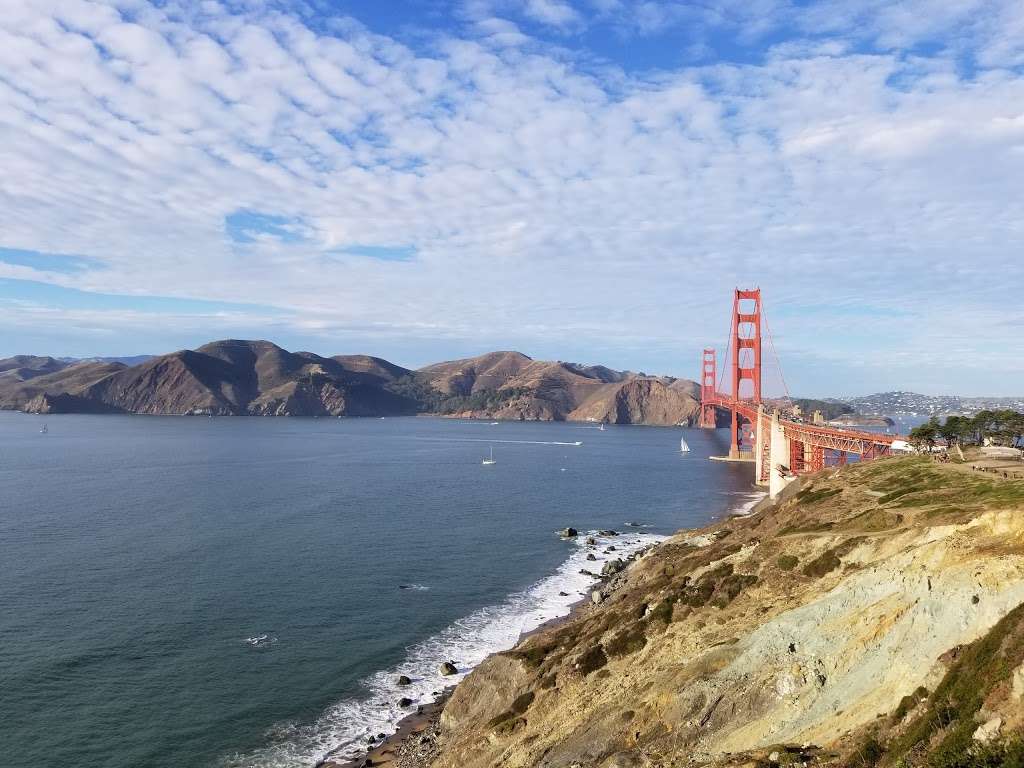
(258, 378)
(874, 619)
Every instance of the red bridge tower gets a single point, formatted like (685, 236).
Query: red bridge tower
(746, 356)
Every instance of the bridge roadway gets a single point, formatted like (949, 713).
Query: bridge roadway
(784, 448)
(829, 438)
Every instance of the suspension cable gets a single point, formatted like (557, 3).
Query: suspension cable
(775, 354)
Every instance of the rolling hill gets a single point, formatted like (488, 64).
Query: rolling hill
(259, 378)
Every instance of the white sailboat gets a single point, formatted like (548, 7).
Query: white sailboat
(601, 428)
(43, 430)
(683, 447)
(490, 459)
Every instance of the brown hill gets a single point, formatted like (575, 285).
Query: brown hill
(18, 391)
(510, 385)
(474, 374)
(24, 367)
(230, 377)
(236, 377)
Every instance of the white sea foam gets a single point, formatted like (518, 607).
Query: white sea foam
(342, 731)
(750, 501)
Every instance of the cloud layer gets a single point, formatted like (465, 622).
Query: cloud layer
(862, 162)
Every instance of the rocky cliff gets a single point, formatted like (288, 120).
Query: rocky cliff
(259, 378)
(874, 619)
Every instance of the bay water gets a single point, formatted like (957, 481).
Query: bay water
(195, 592)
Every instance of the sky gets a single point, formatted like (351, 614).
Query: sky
(583, 180)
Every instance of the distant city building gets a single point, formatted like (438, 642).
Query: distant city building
(818, 417)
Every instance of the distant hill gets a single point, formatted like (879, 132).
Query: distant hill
(235, 377)
(128, 360)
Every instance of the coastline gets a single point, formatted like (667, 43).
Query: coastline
(412, 744)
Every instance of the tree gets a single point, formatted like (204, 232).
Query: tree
(924, 436)
(955, 429)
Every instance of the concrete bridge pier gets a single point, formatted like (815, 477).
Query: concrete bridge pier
(781, 473)
(761, 455)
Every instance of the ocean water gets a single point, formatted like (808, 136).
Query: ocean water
(138, 555)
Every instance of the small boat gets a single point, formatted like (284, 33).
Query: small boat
(683, 447)
(490, 459)
(578, 442)
(257, 639)
(43, 430)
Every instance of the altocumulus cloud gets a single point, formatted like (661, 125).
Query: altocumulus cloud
(486, 181)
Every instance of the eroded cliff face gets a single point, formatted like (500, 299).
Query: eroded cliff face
(805, 631)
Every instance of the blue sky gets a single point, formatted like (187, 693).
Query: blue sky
(578, 179)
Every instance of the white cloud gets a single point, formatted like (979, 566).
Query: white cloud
(544, 201)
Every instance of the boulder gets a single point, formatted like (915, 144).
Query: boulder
(568, 533)
(591, 556)
(404, 680)
(591, 541)
(596, 596)
(988, 731)
(612, 567)
(447, 668)
(404, 702)
(608, 532)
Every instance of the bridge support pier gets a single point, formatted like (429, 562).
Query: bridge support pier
(762, 449)
(781, 473)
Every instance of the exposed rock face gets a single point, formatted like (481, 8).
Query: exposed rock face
(259, 378)
(725, 651)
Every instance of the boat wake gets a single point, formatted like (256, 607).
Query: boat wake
(342, 731)
(484, 440)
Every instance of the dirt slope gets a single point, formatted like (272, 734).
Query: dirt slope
(795, 635)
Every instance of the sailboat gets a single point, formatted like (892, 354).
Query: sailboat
(43, 430)
(683, 447)
(601, 427)
(490, 459)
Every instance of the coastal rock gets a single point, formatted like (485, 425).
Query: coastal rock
(612, 567)
(568, 533)
(591, 541)
(404, 702)
(596, 596)
(448, 668)
(591, 556)
(608, 532)
(404, 680)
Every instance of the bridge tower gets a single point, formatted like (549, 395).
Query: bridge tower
(746, 356)
(708, 388)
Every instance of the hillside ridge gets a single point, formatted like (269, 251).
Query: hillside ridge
(260, 378)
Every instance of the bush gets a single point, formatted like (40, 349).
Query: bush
(787, 562)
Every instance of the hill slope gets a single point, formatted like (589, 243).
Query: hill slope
(874, 619)
(235, 377)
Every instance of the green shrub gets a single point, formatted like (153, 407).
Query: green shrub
(787, 562)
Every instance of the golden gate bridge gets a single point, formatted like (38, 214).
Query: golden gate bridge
(781, 445)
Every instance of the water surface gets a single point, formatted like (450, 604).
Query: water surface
(138, 553)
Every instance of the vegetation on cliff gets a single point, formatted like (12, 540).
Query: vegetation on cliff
(873, 619)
